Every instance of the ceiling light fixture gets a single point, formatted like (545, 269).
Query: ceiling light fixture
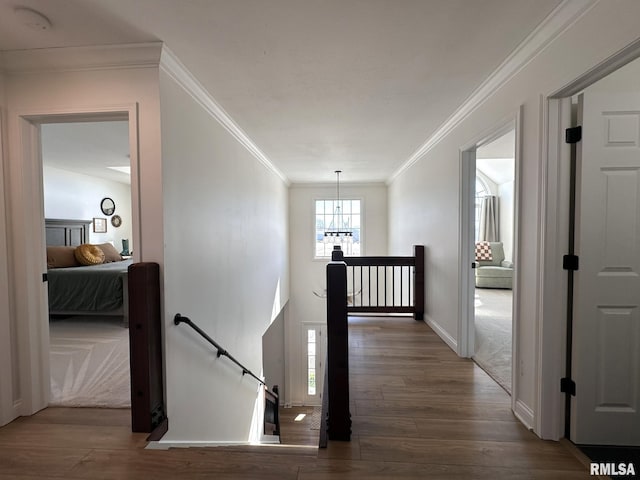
(336, 233)
(32, 19)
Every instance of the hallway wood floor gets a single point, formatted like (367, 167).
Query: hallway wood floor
(418, 412)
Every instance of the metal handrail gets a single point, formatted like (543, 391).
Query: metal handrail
(178, 319)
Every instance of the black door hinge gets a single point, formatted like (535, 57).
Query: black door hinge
(570, 262)
(45, 278)
(573, 134)
(568, 386)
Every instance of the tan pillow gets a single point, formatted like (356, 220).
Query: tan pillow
(88, 254)
(110, 253)
(61, 257)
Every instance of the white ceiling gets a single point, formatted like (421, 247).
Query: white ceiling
(497, 159)
(88, 148)
(318, 85)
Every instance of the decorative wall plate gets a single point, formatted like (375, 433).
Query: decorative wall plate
(108, 206)
(116, 221)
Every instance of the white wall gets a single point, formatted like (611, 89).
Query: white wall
(33, 93)
(624, 79)
(226, 268)
(424, 199)
(75, 196)
(424, 209)
(273, 353)
(309, 275)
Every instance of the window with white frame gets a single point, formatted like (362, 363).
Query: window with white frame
(315, 350)
(334, 216)
(311, 362)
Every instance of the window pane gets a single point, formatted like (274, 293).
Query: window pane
(329, 207)
(311, 378)
(329, 218)
(311, 361)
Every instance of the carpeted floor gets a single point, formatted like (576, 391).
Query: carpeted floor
(493, 333)
(89, 362)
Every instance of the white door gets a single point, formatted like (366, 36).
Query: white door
(606, 333)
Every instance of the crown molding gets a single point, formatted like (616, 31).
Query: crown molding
(101, 57)
(171, 65)
(332, 185)
(557, 22)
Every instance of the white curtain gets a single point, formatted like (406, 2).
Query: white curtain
(489, 219)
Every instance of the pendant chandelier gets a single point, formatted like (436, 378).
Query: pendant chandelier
(336, 233)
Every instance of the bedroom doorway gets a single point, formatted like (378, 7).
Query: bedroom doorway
(489, 186)
(87, 199)
(494, 222)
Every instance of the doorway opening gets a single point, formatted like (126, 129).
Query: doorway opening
(86, 174)
(494, 222)
(489, 187)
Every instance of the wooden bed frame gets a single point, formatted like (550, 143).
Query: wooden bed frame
(60, 232)
(66, 232)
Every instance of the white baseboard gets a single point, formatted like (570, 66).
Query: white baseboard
(442, 333)
(160, 445)
(270, 439)
(165, 445)
(524, 414)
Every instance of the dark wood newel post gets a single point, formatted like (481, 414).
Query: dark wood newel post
(339, 418)
(418, 282)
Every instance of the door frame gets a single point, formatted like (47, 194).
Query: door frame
(27, 245)
(556, 117)
(8, 378)
(466, 320)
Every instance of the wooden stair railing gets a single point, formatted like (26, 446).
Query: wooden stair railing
(271, 411)
(338, 416)
(342, 291)
(148, 412)
(385, 284)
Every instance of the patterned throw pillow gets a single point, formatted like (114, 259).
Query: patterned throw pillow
(483, 251)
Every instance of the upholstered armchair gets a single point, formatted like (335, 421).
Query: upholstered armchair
(496, 272)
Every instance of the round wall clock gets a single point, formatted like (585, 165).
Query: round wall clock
(108, 206)
(116, 221)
